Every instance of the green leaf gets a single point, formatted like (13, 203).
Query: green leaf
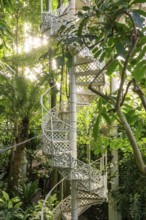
(112, 67)
(139, 71)
(1, 201)
(82, 25)
(80, 14)
(120, 49)
(106, 116)
(97, 53)
(140, 12)
(96, 127)
(10, 205)
(102, 56)
(5, 195)
(15, 199)
(18, 205)
(86, 8)
(144, 140)
(137, 19)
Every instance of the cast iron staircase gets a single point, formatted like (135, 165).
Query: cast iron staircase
(91, 182)
(56, 129)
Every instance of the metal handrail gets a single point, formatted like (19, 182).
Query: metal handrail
(47, 196)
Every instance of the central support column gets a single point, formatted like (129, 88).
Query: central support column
(73, 133)
(114, 214)
(73, 145)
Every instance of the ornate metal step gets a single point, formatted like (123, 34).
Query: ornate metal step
(85, 200)
(82, 60)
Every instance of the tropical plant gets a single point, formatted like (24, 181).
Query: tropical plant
(115, 33)
(130, 196)
(48, 214)
(10, 208)
(5, 31)
(27, 192)
(21, 105)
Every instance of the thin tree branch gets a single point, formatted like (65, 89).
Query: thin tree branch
(94, 45)
(137, 90)
(134, 39)
(140, 93)
(122, 102)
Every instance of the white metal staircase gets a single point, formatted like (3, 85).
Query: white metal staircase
(52, 20)
(91, 182)
(56, 128)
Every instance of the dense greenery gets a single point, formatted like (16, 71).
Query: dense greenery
(114, 31)
(131, 195)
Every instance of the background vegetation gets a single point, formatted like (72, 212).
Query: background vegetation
(116, 38)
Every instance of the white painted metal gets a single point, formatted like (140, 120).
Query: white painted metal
(73, 144)
(47, 197)
(41, 1)
(73, 113)
(59, 139)
(56, 145)
(113, 212)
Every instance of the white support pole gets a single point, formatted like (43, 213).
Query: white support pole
(49, 5)
(73, 113)
(113, 213)
(74, 192)
(42, 6)
(73, 146)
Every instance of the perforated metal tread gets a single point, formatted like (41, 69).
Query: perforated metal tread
(85, 200)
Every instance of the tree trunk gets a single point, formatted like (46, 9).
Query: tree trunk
(17, 172)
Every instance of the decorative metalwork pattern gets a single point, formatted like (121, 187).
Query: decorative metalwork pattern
(56, 145)
(85, 99)
(87, 79)
(56, 123)
(56, 141)
(83, 90)
(85, 67)
(53, 20)
(85, 200)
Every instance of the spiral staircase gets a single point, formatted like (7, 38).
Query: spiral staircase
(56, 127)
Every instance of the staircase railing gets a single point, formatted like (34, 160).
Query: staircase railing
(57, 146)
(47, 197)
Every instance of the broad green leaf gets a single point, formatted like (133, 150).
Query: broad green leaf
(15, 199)
(112, 67)
(96, 127)
(18, 205)
(140, 12)
(102, 56)
(97, 53)
(106, 116)
(139, 71)
(5, 195)
(120, 49)
(137, 19)
(1, 201)
(10, 205)
(82, 25)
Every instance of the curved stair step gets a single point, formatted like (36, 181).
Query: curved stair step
(85, 200)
